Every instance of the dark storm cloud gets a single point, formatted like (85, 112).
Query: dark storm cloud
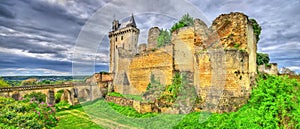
(41, 34)
(13, 61)
(4, 12)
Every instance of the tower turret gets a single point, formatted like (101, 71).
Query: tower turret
(123, 36)
(115, 25)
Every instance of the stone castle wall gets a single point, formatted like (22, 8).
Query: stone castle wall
(183, 40)
(271, 69)
(158, 62)
(220, 61)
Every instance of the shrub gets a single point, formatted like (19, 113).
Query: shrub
(62, 105)
(38, 96)
(26, 114)
(274, 103)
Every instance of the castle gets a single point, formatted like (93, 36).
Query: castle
(217, 58)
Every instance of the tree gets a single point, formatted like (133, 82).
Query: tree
(262, 58)
(256, 28)
(163, 38)
(186, 20)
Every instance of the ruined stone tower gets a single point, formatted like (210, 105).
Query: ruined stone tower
(219, 61)
(123, 38)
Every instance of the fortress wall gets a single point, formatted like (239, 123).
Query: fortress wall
(153, 34)
(123, 66)
(201, 33)
(232, 30)
(159, 63)
(236, 32)
(123, 59)
(142, 48)
(183, 40)
(204, 75)
(236, 87)
(251, 49)
(237, 72)
(272, 69)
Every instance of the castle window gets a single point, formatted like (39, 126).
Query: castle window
(116, 38)
(121, 37)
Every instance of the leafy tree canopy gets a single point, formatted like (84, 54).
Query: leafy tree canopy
(163, 38)
(262, 58)
(186, 20)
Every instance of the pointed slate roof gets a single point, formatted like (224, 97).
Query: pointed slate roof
(132, 21)
(129, 23)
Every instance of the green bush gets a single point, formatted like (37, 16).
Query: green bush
(38, 96)
(62, 105)
(26, 114)
(176, 85)
(173, 89)
(274, 103)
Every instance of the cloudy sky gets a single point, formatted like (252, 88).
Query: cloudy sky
(48, 37)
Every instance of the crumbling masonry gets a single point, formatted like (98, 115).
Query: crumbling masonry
(220, 60)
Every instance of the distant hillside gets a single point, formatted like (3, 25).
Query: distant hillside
(51, 78)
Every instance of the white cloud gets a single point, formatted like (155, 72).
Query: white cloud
(31, 72)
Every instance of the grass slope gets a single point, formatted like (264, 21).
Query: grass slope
(75, 118)
(274, 103)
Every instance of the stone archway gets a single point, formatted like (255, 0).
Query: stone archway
(84, 95)
(58, 95)
(68, 96)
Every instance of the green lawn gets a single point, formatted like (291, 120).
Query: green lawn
(99, 114)
(274, 103)
(75, 118)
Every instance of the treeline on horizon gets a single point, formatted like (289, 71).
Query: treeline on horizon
(7, 81)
